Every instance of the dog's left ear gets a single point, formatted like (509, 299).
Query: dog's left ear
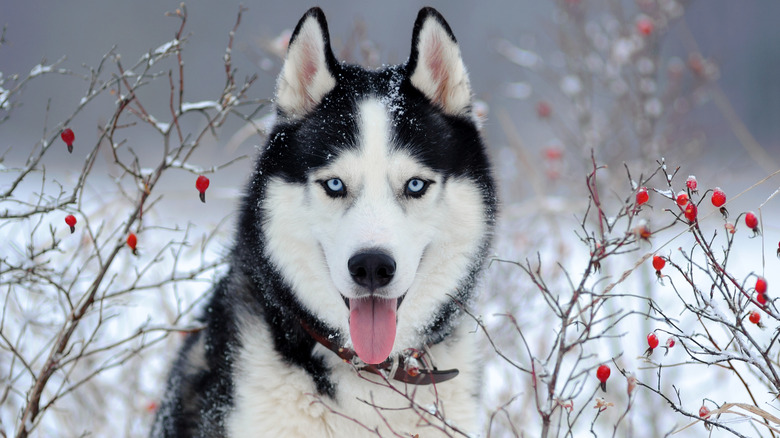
(435, 66)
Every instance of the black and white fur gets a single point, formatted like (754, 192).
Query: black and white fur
(254, 371)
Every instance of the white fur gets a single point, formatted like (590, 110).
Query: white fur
(276, 399)
(433, 240)
(305, 77)
(440, 73)
(302, 222)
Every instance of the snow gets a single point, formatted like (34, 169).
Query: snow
(39, 70)
(4, 102)
(622, 50)
(160, 51)
(34, 307)
(205, 104)
(571, 85)
(519, 235)
(190, 167)
(161, 126)
(393, 101)
(521, 57)
(165, 48)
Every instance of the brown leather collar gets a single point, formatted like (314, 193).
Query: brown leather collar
(408, 369)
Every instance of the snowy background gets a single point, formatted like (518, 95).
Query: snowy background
(517, 55)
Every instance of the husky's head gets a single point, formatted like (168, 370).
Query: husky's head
(373, 200)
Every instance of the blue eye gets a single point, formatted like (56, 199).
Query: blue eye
(335, 188)
(416, 187)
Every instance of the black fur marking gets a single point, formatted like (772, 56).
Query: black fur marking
(200, 387)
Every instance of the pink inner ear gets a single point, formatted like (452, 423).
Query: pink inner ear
(440, 74)
(308, 69)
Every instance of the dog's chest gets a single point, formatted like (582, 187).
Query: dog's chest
(273, 398)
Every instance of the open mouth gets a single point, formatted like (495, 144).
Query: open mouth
(372, 325)
(400, 300)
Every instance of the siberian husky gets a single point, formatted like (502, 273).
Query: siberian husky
(362, 233)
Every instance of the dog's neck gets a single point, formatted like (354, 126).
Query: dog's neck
(403, 368)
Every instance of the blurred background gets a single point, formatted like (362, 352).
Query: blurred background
(741, 38)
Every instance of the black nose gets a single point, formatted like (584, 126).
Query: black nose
(371, 270)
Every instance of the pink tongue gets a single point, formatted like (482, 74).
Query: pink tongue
(372, 327)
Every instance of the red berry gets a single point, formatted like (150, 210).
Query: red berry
(669, 345)
(202, 183)
(151, 407)
(755, 317)
(642, 231)
(132, 241)
(68, 137)
(652, 340)
(553, 153)
(690, 212)
(642, 196)
(696, 63)
(761, 285)
(704, 412)
(761, 299)
(71, 221)
(691, 183)
(718, 197)
(644, 25)
(682, 198)
(602, 373)
(751, 221)
(658, 262)
(543, 109)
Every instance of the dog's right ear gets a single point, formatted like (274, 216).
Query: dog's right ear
(307, 74)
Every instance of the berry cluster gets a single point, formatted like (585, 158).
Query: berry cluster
(201, 184)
